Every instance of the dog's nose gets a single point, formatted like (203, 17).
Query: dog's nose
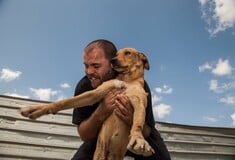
(113, 61)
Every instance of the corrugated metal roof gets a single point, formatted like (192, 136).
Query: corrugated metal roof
(54, 137)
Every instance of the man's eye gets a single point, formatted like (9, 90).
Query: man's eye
(96, 66)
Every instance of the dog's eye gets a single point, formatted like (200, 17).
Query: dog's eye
(127, 53)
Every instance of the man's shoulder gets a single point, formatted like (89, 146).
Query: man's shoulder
(84, 80)
(146, 86)
(83, 85)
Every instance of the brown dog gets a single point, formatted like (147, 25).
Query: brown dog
(115, 137)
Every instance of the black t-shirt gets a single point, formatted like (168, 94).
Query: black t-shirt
(155, 140)
(80, 114)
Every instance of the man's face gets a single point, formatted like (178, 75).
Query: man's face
(97, 67)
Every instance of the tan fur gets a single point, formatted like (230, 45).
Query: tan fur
(115, 137)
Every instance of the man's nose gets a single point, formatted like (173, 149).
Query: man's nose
(89, 70)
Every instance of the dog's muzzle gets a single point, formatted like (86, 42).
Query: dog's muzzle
(114, 63)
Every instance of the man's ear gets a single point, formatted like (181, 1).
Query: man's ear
(145, 60)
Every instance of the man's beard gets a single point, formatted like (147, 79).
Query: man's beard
(109, 75)
(96, 81)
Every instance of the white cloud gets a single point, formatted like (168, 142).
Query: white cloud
(161, 110)
(203, 2)
(214, 85)
(60, 97)
(158, 90)
(210, 119)
(9, 75)
(222, 68)
(204, 67)
(43, 93)
(16, 95)
(218, 14)
(64, 85)
(156, 99)
(164, 90)
(220, 88)
(230, 100)
(233, 118)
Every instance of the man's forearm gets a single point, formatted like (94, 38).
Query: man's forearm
(90, 127)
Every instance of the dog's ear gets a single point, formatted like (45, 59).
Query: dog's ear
(145, 60)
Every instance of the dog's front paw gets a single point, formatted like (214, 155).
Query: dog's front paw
(140, 146)
(34, 112)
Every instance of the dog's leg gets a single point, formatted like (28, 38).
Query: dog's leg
(85, 99)
(101, 147)
(112, 139)
(137, 144)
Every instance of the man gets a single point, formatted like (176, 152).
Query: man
(97, 56)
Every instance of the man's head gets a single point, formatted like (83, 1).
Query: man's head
(97, 56)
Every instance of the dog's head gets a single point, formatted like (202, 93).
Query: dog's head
(129, 60)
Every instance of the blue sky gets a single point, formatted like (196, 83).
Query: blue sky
(190, 46)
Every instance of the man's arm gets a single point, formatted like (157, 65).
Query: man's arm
(89, 128)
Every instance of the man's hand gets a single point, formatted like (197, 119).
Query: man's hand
(109, 103)
(118, 102)
(124, 109)
(90, 127)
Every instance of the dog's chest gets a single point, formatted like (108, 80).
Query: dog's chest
(134, 89)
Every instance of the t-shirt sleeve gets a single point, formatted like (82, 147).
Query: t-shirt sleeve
(149, 110)
(80, 114)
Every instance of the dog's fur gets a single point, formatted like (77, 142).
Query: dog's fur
(115, 137)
